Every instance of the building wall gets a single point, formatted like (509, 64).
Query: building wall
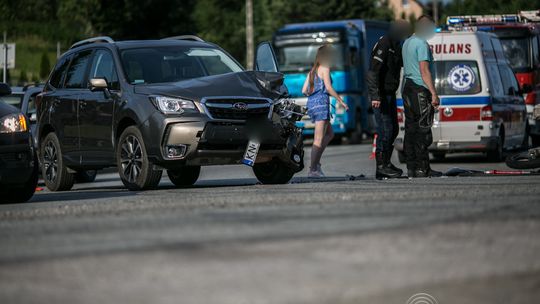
(407, 6)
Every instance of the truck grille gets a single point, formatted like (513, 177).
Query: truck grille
(237, 108)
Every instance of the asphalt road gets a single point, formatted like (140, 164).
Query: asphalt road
(230, 240)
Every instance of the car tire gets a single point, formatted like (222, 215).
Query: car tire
(23, 193)
(88, 176)
(535, 141)
(497, 154)
(185, 176)
(522, 160)
(53, 170)
(401, 157)
(134, 168)
(273, 172)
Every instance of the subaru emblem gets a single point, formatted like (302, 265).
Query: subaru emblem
(240, 106)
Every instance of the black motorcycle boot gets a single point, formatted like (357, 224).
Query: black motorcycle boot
(388, 163)
(382, 170)
(426, 171)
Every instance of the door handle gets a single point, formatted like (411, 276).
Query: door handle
(82, 104)
(56, 101)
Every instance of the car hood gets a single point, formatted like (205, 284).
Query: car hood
(248, 84)
(6, 109)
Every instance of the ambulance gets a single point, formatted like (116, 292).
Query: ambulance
(482, 107)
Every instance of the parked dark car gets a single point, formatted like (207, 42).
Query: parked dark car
(174, 104)
(18, 159)
(24, 98)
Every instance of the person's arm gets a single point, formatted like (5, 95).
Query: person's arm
(378, 57)
(424, 56)
(306, 86)
(328, 84)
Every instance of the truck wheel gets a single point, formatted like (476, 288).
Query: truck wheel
(273, 172)
(401, 157)
(497, 154)
(186, 176)
(136, 171)
(24, 192)
(355, 137)
(85, 176)
(535, 140)
(54, 172)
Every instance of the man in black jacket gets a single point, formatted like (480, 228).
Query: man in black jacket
(383, 82)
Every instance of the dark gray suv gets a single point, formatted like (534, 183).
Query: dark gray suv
(174, 104)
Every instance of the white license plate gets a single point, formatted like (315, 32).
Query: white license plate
(251, 153)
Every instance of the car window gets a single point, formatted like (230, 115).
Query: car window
(171, 64)
(75, 76)
(13, 99)
(509, 82)
(57, 76)
(457, 77)
(495, 83)
(103, 67)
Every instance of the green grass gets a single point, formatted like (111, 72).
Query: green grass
(28, 56)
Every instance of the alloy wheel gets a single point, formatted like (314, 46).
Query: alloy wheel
(131, 158)
(50, 161)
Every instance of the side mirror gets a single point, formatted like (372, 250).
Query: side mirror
(33, 118)
(98, 84)
(265, 58)
(4, 89)
(526, 88)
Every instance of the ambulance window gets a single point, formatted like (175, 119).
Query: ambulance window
(457, 77)
(495, 84)
(497, 47)
(510, 85)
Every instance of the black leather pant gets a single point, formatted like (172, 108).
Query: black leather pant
(387, 123)
(418, 121)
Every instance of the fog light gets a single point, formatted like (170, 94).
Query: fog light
(175, 151)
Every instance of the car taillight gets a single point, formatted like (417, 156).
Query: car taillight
(486, 113)
(530, 98)
(400, 115)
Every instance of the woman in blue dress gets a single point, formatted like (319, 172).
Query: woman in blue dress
(318, 88)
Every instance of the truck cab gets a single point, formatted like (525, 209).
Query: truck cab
(520, 38)
(296, 46)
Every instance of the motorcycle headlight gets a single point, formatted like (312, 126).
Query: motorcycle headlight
(13, 123)
(170, 105)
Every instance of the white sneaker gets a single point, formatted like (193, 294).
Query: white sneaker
(314, 174)
(319, 169)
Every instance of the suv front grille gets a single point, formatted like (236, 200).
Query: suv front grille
(237, 108)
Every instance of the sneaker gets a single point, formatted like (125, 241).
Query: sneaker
(315, 174)
(319, 169)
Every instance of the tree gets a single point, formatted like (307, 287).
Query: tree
(23, 77)
(45, 66)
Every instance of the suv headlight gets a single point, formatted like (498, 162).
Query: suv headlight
(13, 123)
(170, 105)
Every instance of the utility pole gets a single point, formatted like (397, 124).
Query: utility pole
(249, 34)
(436, 11)
(5, 47)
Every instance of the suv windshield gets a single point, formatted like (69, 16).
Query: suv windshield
(516, 51)
(172, 64)
(455, 77)
(14, 100)
(300, 58)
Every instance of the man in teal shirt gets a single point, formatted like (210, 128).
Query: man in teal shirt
(419, 98)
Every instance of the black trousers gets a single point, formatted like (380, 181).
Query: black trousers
(418, 121)
(387, 123)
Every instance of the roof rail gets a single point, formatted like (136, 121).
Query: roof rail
(106, 39)
(185, 37)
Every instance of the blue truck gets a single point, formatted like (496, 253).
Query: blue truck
(296, 46)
